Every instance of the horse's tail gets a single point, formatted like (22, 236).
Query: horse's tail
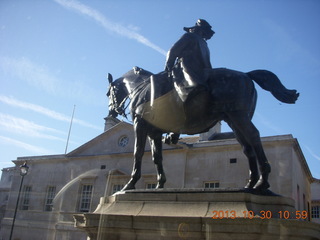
(270, 82)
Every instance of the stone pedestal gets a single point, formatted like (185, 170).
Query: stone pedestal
(196, 214)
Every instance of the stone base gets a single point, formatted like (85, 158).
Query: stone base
(195, 214)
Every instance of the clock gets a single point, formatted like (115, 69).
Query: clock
(123, 141)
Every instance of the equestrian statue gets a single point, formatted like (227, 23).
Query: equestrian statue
(190, 97)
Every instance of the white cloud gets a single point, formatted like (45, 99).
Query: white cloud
(312, 153)
(40, 77)
(109, 25)
(27, 128)
(44, 111)
(26, 146)
(34, 74)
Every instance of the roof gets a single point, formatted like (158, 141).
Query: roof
(107, 142)
(189, 140)
(213, 137)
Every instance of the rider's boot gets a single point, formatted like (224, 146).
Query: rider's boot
(171, 138)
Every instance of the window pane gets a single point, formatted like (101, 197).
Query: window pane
(25, 201)
(85, 200)
(315, 212)
(212, 185)
(233, 160)
(116, 188)
(151, 185)
(51, 192)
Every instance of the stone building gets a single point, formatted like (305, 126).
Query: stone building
(315, 200)
(5, 187)
(59, 186)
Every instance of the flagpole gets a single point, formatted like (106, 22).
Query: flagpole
(65, 152)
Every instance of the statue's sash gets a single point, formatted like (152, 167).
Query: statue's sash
(173, 108)
(165, 109)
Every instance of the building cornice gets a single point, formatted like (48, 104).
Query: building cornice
(200, 145)
(302, 160)
(316, 180)
(280, 139)
(21, 160)
(315, 202)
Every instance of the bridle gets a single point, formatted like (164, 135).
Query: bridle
(119, 108)
(115, 92)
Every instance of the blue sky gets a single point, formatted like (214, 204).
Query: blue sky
(55, 54)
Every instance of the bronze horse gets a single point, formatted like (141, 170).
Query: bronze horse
(156, 108)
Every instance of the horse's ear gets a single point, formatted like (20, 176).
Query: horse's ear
(110, 78)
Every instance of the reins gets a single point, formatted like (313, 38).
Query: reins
(122, 106)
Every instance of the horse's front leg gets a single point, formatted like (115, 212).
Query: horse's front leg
(156, 150)
(140, 129)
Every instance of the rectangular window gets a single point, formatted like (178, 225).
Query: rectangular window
(233, 160)
(51, 193)
(25, 201)
(117, 188)
(211, 185)
(315, 212)
(151, 185)
(85, 198)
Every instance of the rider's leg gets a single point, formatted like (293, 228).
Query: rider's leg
(172, 138)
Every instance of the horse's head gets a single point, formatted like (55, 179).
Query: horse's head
(120, 89)
(117, 96)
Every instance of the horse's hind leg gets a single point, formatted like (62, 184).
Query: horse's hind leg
(243, 124)
(251, 156)
(156, 150)
(140, 129)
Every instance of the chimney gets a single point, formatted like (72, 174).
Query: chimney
(214, 130)
(110, 122)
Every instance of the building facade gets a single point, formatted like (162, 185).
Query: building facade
(315, 200)
(59, 186)
(5, 187)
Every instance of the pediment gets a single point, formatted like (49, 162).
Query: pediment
(118, 139)
(118, 172)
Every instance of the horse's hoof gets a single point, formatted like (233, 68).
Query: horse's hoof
(251, 183)
(160, 186)
(161, 181)
(261, 185)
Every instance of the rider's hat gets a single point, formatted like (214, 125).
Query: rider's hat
(201, 23)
